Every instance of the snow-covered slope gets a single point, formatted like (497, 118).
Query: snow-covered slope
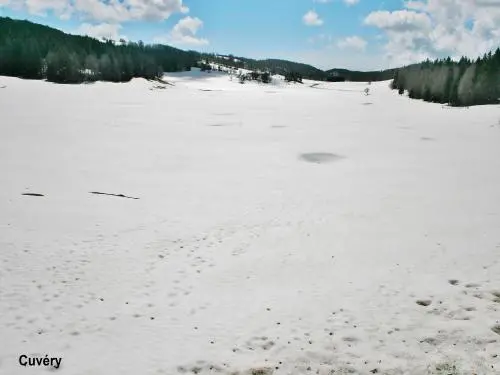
(288, 229)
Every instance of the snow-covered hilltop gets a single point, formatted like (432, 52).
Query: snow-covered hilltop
(202, 226)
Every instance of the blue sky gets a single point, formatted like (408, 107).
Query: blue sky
(356, 34)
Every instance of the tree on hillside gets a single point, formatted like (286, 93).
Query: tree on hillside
(293, 77)
(266, 77)
(466, 85)
(63, 67)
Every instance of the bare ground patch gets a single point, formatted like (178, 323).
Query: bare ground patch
(113, 195)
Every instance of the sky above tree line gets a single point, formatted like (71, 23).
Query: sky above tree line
(354, 34)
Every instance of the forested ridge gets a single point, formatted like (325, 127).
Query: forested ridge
(274, 66)
(458, 83)
(29, 50)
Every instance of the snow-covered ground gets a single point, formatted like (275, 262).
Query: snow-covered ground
(282, 229)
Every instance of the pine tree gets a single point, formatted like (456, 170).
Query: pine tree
(466, 85)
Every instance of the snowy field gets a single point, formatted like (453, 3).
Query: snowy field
(282, 229)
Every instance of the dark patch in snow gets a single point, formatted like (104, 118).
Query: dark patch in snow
(209, 90)
(162, 81)
(261, 371)
(350, 339)
(496, 329)
(472, 285)
(158, 87)
(425, 302)
(320, 157)
(320, 88)
(34, 194)
(278, 126)
(426, 139)
(366, 103)
(113, 195)
(453, 282)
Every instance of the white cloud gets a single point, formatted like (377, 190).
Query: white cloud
(351, 2)
(184, 33)
(105, 10)
(311, 18)
(353, 42)
(400, 20)
(40, 7)
(438, 28)
(99, 31)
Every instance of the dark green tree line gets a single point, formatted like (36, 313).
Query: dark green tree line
(458, 83)
(29, 50)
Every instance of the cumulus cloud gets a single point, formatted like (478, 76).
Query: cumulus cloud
(105, 10)
(438, 28)
(312, 18)
(184, 33)
(351, 2)
(41, 7)
(353, 42)
(401, 20)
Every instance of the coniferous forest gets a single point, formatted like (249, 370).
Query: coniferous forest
(462, 83)
(29, 50)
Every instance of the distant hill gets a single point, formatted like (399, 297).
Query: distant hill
(274, 66)
(358, 76)
(277, 66)
(35, 51)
